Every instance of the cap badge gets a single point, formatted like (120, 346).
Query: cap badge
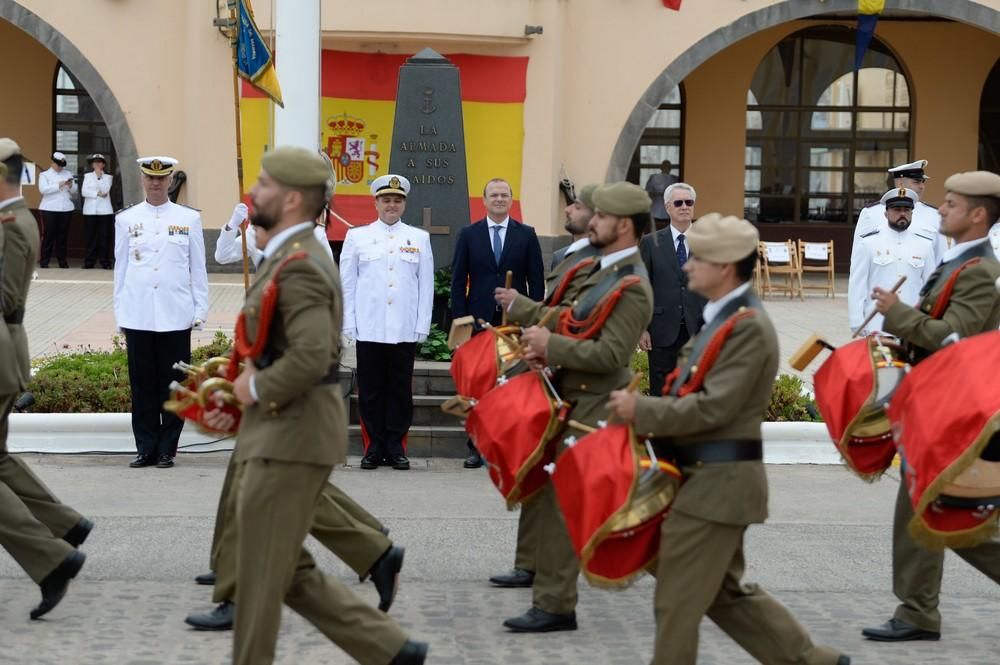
(156, 165)
(394, 182)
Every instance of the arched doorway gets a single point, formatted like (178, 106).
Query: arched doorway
(989, 122)
(90, 79)
(964, 11)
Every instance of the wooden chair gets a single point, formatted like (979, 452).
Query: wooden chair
(780, 259)
(817, 257)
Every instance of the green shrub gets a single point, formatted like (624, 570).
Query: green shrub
(640, 363)
(442, 281)
(220, 345)
(789, 401)
(435, 347)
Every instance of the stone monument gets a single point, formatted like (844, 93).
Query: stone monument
(428, 147)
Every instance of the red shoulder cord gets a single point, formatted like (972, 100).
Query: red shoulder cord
(564, 283)
(708, 356)
(944, 299)
(242, 348)
(590, 326)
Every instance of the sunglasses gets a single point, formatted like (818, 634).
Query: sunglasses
(683, 202)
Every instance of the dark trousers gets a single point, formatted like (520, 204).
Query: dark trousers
(99, 234)
(56, 230)
(151, 356)
(385, 396)
(663, 360)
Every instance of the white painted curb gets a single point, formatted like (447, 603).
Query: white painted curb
(784, 443)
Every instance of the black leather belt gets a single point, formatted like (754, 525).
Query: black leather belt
(710, 452)
(14, 318)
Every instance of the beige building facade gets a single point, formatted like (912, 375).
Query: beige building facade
(741, 96)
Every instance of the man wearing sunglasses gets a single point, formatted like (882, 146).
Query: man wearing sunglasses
(677, 311)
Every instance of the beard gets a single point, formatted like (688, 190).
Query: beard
(900, 224)
(262, 219)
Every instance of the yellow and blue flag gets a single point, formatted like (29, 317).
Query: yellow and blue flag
(253, 58)
(868, 13)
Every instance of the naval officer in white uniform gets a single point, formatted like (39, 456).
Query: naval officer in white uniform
(161, 293)
(880, 257)
(925, 219)
(229, 247)
(387, 271)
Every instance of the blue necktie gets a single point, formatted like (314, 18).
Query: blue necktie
(497, 247)
(682, 253)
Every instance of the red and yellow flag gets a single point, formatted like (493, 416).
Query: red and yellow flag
(358, 105)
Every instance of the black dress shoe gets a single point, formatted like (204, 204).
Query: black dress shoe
(895, 630)
(400, 463)
(86, 267)
(55, 583)
(79, 532)
(385, 575)
(164, 462)
(221, 618)
(64, 265)
(43, 265)
(412, 653)
(205, 579)
(844, 660)
(540, 621)
(517, 578)
(369, 462)
(473, 461)
(141, 461)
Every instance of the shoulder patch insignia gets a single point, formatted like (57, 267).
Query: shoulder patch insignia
(870, 233)
(927, 238)
(127, 207)
(189, 207)
(929, 205)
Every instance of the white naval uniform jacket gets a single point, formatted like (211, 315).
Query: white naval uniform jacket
(54, 197)
(880, 258)
(160, 279)
(229, 247)
(93, 204)
(926, 220)
(388, 277)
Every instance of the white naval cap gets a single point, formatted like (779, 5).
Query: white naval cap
(157, 165)
(59, 158)
(900, 197)
(390, 184)
(913, 170)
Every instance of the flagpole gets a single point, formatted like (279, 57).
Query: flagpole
(239, 140)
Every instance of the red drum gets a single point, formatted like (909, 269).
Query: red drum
(478, 363)
(513, 427)
(853, 387)
(613, 495)
(946, 422)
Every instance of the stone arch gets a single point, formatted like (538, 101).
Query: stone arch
(90, 78)
(963, 11)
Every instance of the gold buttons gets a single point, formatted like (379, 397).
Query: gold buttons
(583, 386)
(273, 406)
(252, 310)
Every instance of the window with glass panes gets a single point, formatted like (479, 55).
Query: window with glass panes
(820, 135)
(989, 122)
(79, 128)
(661, 140)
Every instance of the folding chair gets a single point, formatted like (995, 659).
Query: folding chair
(780, 259)
(817, 257)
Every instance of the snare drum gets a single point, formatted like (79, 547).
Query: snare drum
(853, 387)
(613, 493)
(478, 363)
(514, 427)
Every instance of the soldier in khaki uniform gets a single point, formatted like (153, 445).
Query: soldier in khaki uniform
(714, 433)
(588, 367)
(578, 215)
(288, 395)
(41, 533)
(971, 207)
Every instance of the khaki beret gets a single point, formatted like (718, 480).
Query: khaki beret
(297, 167)
(8, 148)
(586, 195)
(974, 183)
(721, 239)
(622, 199)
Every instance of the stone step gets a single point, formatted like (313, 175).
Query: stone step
(428, 379)
(426, 411)
(422, 441)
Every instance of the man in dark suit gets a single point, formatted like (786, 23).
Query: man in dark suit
(676, 309)
(484, 252)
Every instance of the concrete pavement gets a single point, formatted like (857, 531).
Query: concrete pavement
(824, 552)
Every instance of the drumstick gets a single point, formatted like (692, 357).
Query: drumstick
(506, 284)
(576, 424)
(871, 316)
(545, 318)
(633, 385)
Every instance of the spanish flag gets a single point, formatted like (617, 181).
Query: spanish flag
(253, 59)
(868, 13)
(357, 109)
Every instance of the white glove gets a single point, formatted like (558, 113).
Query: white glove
(421, 338)
(198, 324)
(240, 213)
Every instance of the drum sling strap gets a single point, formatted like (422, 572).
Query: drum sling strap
(586, 319)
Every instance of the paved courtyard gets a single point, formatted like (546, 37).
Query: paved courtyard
(824, 552)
